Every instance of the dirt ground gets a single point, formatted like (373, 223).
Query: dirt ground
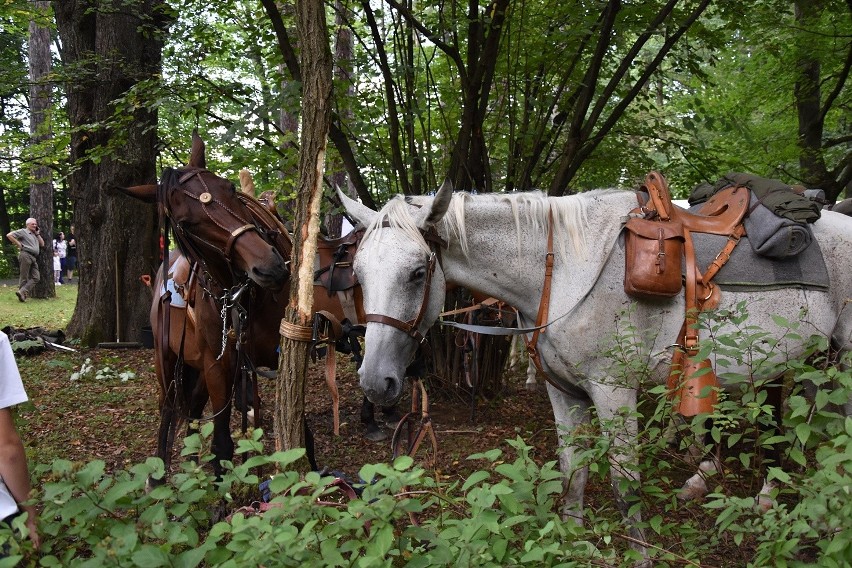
(130, 411)
(116, 421)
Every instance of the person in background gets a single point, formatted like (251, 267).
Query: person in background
(29, 242)
(14, 474)
(60, 246)
(57, 268)
(71, 257)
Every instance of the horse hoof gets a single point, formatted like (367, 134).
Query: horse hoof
(694, 488)
(375, 434)
(151, 484)
(532, 387)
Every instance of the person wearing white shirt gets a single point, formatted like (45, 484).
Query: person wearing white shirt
(14, 474)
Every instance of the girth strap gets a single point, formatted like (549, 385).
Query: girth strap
(544, 303)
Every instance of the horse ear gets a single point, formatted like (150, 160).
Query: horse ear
(196, 156)
(146, 193)
(246, 183)
(428, 217)
(361, 213)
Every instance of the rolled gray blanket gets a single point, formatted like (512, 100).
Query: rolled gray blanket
(773, 236)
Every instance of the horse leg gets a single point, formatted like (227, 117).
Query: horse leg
(532, 383)
(223, 445)
(372, 431)
(310, 450)
(165, 439)
(696, 486)
(624, 475)
(570, 413)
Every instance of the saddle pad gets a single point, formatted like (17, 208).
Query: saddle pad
(747, 271)
(177, 301)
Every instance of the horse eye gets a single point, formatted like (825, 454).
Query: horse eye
(418, 274)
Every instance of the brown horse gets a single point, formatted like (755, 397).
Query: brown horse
(240, 254)
(218, 302)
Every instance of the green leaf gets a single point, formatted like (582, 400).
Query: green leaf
(475, 478)
(150, 556)
(803, 432)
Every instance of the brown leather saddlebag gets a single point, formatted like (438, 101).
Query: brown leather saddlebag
(653, 252)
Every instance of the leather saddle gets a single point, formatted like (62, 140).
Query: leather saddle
(182, 275)
(334, 270)
(722, 214)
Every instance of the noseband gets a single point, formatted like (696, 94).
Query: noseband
(411, 327)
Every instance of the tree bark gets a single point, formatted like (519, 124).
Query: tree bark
(316, 118)
(112, 45)
(811, 110)
(41, 186)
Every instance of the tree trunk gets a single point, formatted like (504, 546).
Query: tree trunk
(811, 109)
(316, 116)
(41, 186)
(344, 45)
(114, 45)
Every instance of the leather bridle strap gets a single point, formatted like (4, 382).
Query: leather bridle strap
(544, 303)
(410, 327)
(233, 238)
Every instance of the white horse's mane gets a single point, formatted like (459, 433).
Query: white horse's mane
(529, 209)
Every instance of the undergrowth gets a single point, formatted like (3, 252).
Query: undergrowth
(504, 514)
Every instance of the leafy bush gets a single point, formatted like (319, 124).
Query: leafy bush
(504, 514)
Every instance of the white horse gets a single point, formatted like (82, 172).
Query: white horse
(497, 244)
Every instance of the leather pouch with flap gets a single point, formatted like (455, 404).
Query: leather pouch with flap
(653, 252)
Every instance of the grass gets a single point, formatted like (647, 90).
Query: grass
(50, 313)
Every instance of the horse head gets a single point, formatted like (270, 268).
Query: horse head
(403, 284)
(215, 225)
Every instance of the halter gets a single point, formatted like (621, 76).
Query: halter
(259, 220)
(411, 327)
(187, 240)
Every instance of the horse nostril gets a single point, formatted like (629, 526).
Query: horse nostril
(390, 385)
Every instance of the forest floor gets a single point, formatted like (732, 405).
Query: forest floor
(115, 420)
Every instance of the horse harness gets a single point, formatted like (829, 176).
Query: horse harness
(411, 327)
(655, 231)
(228, 302)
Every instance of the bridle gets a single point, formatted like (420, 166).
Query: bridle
(412, 326)
(252, 217)
(189, 242)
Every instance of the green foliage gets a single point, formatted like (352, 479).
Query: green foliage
(507, 512)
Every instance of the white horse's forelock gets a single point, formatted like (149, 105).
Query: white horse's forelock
(531, 209)
(396, 213)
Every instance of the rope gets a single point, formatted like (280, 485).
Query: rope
(296, 332)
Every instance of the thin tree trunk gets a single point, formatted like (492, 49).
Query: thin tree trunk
(316, 115)
(41, 186)
(344, 45)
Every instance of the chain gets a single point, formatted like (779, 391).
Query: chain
(229, 300)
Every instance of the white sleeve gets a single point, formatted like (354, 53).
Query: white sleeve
(11, 387)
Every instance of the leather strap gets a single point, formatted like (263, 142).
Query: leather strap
(544, 303)
(411, 327)
(235, 234)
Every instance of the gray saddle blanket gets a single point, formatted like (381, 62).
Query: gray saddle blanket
(747, 271)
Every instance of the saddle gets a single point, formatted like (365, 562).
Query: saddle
(181, 273)
(334, 259)
(658, 243)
